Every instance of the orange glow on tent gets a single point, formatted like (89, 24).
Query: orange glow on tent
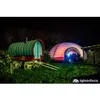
(58, 51)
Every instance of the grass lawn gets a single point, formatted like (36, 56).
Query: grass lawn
(66, 74)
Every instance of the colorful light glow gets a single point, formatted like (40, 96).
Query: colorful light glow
(58, 51)
(69, 53)
(70, 60)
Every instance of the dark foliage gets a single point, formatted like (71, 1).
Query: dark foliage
(66, 74)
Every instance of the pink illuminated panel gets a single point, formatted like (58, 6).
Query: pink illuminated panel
(57, 52)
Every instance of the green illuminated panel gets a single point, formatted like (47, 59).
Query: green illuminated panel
(37, 50)
(25, 49)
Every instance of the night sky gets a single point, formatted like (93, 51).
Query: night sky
(52, 30)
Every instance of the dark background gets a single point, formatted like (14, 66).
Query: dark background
(52, 30)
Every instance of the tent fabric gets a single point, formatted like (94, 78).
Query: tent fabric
(58, 51)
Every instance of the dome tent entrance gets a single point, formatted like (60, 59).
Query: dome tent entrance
(72, 55)
(30, 50)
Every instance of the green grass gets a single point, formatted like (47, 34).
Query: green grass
(66, 74)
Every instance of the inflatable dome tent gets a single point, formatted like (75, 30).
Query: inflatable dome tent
(30, 50)
(67, 51)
